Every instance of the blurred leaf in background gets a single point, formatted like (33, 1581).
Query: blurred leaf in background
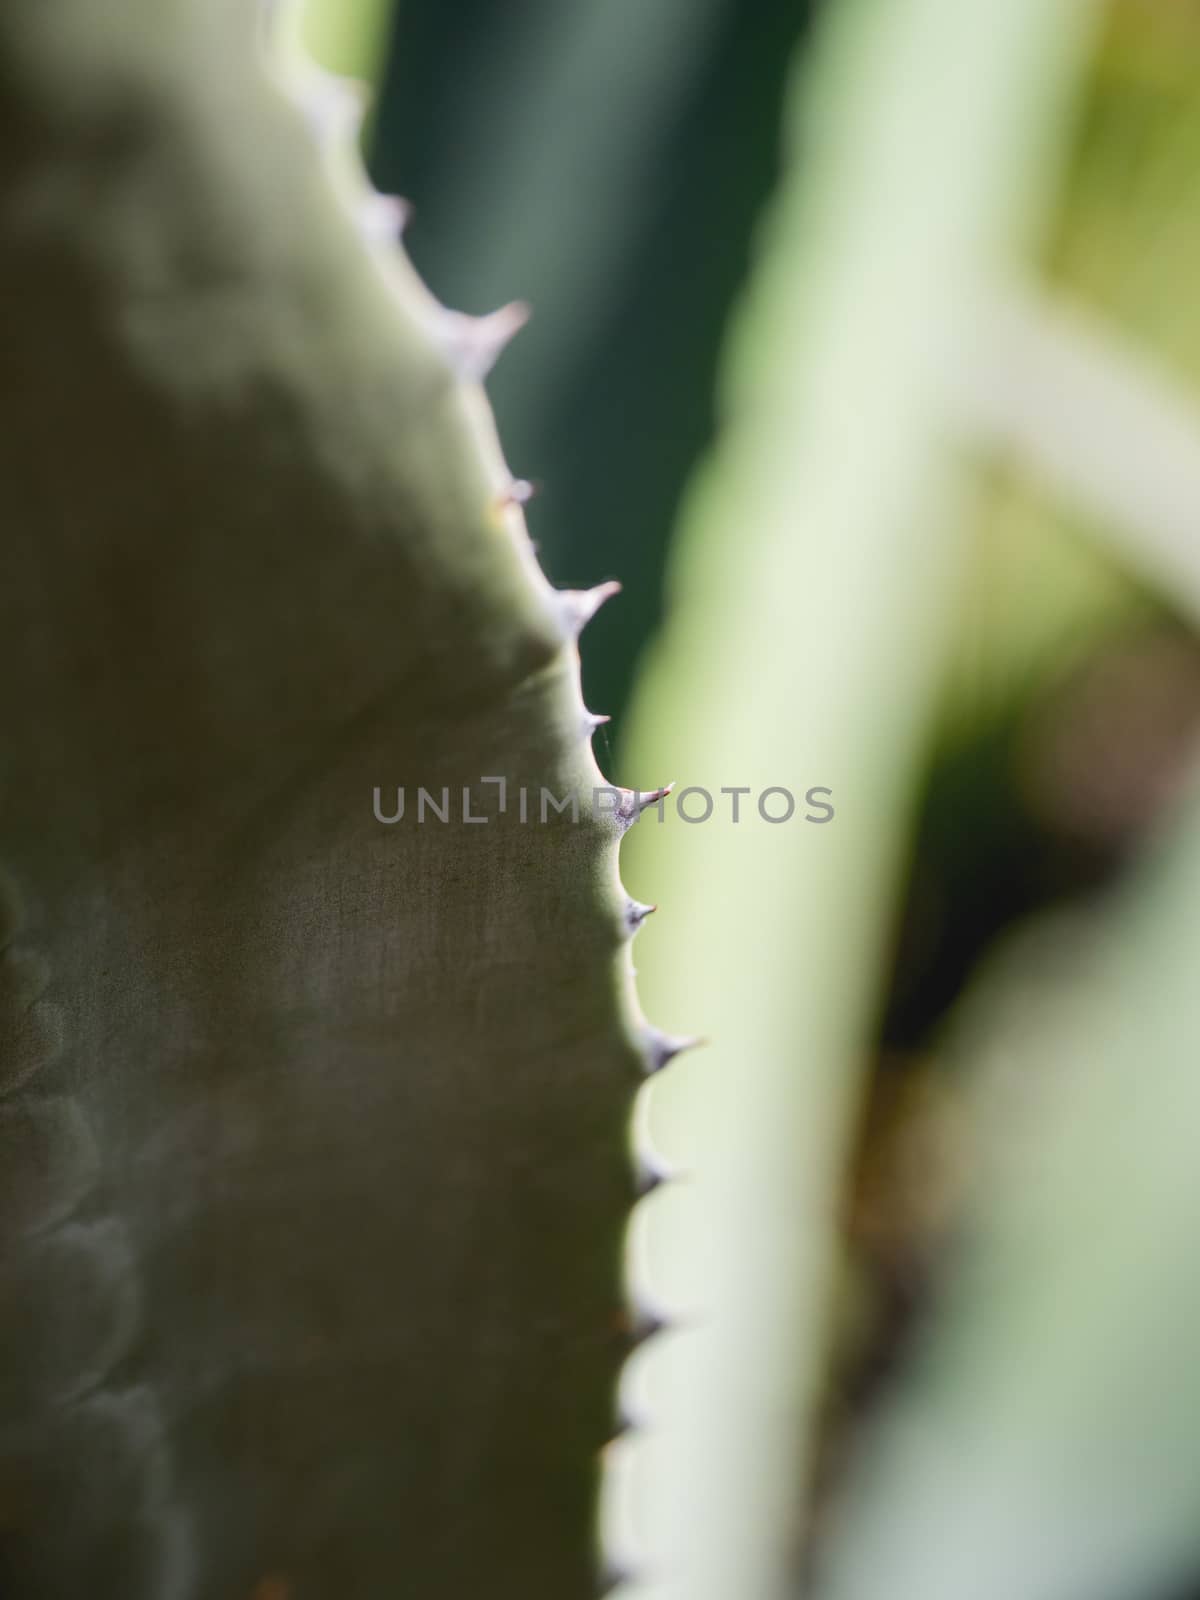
(1071, 729)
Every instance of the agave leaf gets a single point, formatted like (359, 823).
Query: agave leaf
(314, 1126)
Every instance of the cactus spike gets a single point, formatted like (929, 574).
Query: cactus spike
(660, 1049)
(579, 606)
(473, 345)
(518, 493)
(594, 720)
(333, 106)
(651, 1166)
(635, 801)
(636, 913)
(614, 1579)
(383, 218)
(649, 1174)
(646, 1320)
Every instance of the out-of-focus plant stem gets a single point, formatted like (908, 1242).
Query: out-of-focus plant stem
(812, 585)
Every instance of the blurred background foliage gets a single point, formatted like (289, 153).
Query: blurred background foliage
(610, 163)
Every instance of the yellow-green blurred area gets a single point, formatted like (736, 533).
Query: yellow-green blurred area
(349, 38)
(611, 163)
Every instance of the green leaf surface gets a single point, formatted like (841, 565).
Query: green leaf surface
(310, 1245)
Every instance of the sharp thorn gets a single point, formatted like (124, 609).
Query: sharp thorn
(636, 913)
(383, 217)
(613, 1577)
(618, 1576)
(644, 1322)
(518, 493)
(635, 801)
(581, 605)
(474, 344)
(649, 1175)
(333, 106)
(651, 1167)
(661, 1049)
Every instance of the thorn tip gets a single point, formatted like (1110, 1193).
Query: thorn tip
(332, 105)
(635, 801)
(520, 492)
(383, 217)
(662, 1048)
(473, 345)
(579, 606)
